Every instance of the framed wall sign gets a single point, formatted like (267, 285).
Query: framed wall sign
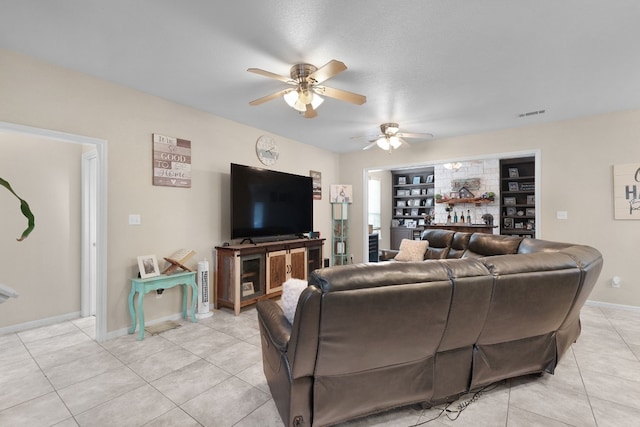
(626, 191)
(171, 161)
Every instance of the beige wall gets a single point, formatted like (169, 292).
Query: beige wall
(45, 96)
(577, 157)
(44, 268)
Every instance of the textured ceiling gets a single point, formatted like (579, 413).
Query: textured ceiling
(449, 67)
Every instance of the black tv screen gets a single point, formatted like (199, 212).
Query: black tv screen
(267, 203)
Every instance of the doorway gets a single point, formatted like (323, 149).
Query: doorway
(99, 218)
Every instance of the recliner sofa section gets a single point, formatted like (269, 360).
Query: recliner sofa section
(370, 337)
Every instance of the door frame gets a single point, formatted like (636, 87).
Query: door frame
(101, 214)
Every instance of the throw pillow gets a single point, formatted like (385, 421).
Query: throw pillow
(412, 250)
(291, 290)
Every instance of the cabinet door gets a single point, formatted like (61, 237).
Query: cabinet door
(298, 263)
(276, 270)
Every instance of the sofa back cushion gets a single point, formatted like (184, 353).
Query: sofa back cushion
(459, 245)
(439, 243)
(481, 245)
(380, 315)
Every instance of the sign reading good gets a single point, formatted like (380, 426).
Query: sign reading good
(171, 161)
(626, 191)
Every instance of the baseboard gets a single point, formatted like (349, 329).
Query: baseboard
(124, 331)
(39, 323)
(613, 306)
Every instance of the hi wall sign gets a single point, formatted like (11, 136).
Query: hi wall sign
(626, 191)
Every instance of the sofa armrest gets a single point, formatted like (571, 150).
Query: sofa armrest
(275, 324)
(388, 254)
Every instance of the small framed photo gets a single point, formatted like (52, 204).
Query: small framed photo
(511, 211)
(509, 200)
(519, 225)
(531, 199)
(513, 173)
(513, 186)
(410, 223)
(428, 202)
(402, 180)
(429, 179)
(431, 192)
(416, 179)
(414, 212)
(148, 265)
(530, 212)
(398, 212)
(421, 221)
(415, 191)
(529, 226)
(247, 289)
(508, 223)
(401, 203)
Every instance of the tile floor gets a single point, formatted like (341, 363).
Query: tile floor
(210, 374)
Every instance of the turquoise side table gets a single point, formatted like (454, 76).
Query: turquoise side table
(144, 286)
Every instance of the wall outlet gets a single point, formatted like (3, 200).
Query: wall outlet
(134, 219)
(615, 282)
(562, 215)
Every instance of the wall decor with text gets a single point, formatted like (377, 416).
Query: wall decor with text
(626, 191)
(171, 161)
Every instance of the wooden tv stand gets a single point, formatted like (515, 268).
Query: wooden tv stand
(247, 273)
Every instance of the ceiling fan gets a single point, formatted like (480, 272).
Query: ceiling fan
(307, 80)
(390, 139)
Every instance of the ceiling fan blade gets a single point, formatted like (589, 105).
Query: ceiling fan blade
(271, 75)
(414, 135)
(327, 71)
(340, 94)
(373, 144)
(310, 113)
(270, 97)
(403, 142)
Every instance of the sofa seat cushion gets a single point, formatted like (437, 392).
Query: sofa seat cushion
(291, 290)
(412, 250)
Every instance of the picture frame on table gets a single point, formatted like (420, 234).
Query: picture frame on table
(402, 180)
(429, 179)
(414, 212)
(247, 289)
(148, 266)
(416, 180)
(509, 200)
(410, 223)
(531, 199)
(401, 203)
(514, 173)
(415, 191)
(530, 212)
(513, 186)
(508, 223)
(511, 211)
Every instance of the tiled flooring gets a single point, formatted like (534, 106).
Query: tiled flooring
(210, 374)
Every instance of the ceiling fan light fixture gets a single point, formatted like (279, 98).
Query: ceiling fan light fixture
(395, 142)
(383, 143)
(298, 99)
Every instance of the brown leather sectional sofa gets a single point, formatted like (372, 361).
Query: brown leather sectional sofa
(370, 337)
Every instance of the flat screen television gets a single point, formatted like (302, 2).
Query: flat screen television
(266, 203)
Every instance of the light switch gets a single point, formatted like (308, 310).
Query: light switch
(134, 219)
(562, 215)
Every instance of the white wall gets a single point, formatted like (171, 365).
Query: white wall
(45, 96)
(576, 161)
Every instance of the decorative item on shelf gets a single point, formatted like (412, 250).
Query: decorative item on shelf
(341, 193)
(488, 219)
(177, 260)
(464, 193)
(513, 186)
(514, 173)
(148, 266)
